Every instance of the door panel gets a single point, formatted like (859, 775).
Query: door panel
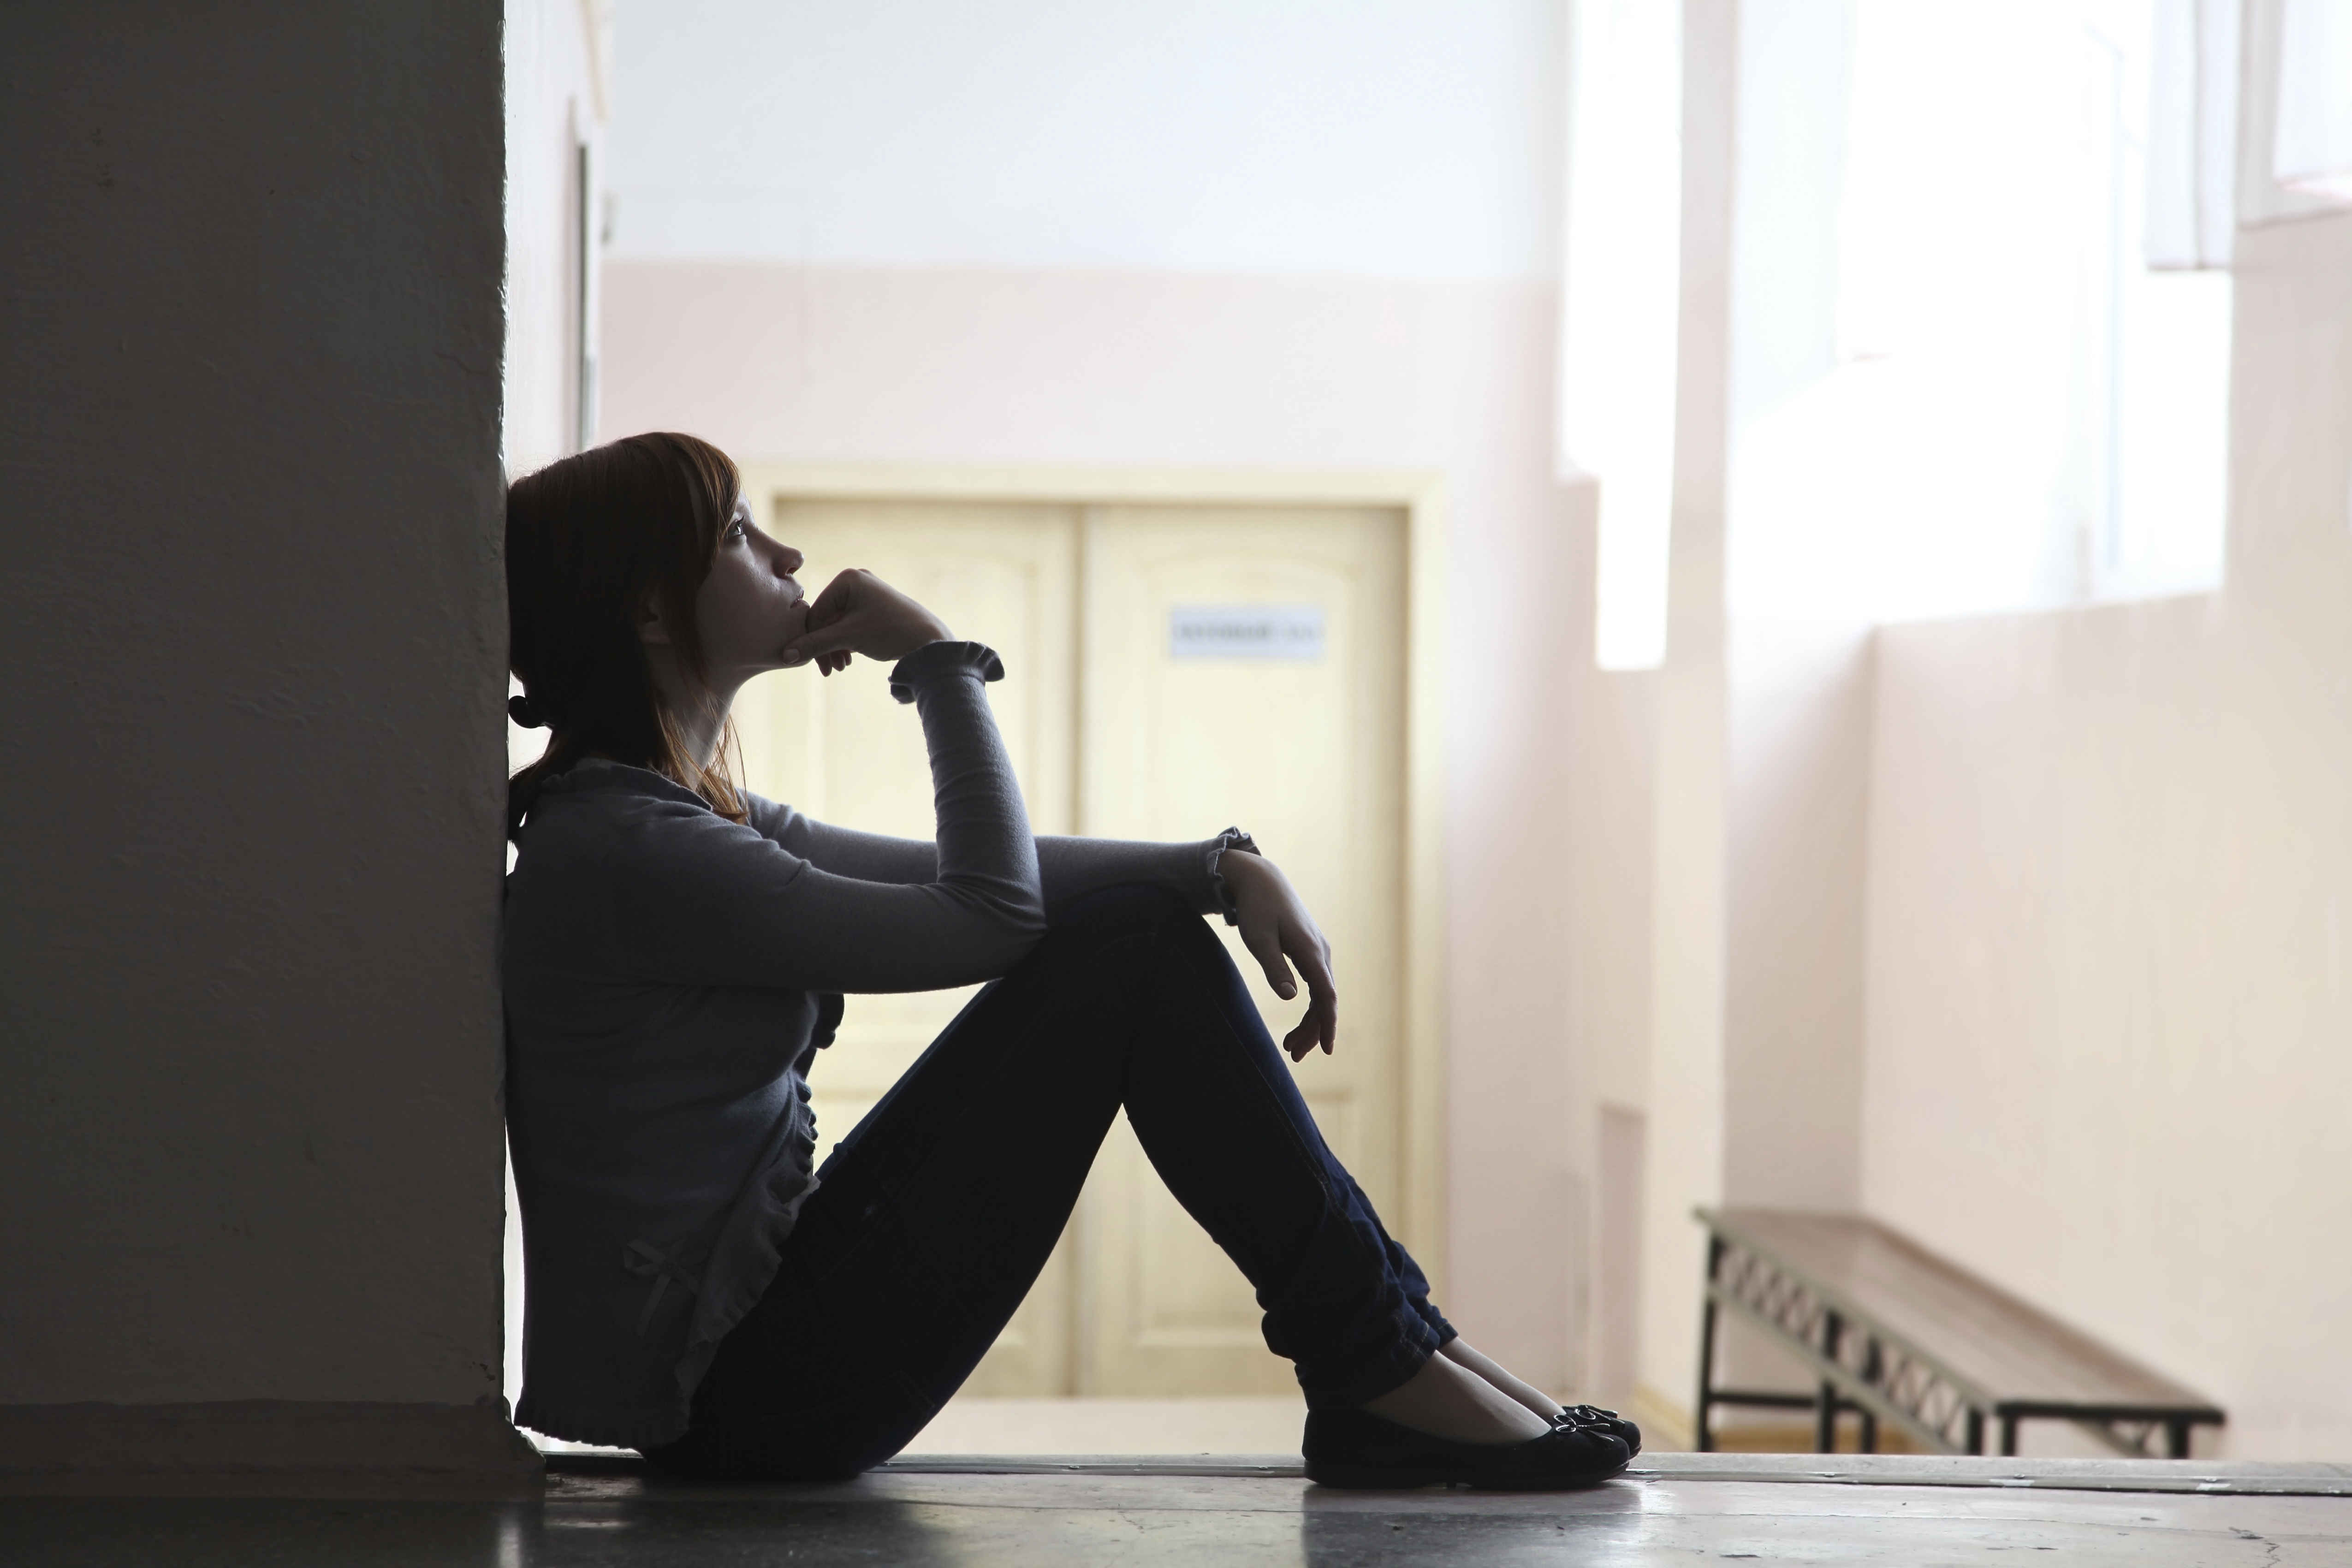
(1306, 752)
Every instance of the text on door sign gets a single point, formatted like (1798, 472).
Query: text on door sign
(1291, 632)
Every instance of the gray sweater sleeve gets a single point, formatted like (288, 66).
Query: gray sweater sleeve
(709, 901)
(1069, 869)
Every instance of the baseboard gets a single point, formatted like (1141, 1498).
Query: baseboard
(1665, 1425)
(1667, 1430)
(82, 1447)
(1746, 1434)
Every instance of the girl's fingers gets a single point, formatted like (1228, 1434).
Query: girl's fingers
(1311, 1033)
(1318, 1026)
(1296, 1044)
(1323, 1009)
(822, 643)
(1317, 962)
(1265, 946)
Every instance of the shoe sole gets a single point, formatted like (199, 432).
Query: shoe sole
(1372, 1478)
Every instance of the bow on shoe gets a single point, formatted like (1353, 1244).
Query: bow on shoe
(1582, 1417)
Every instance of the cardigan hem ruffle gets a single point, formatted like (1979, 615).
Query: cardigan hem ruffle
(750, 1250)
(742, 1263)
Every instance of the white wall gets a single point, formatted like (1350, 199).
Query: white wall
(1794, 1057)
(2110, 1032)
(555, 103)
(2021, 933)
(1798, 654)
(1797, 662)
(249, 884)
(1604, 942)
(1754, 1052)
(1691, 806)
(1379, 137)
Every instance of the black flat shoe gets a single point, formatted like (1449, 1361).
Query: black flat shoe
(1608, 1421)
(1358, 1448)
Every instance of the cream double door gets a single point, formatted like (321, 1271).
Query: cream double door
(1169, 669)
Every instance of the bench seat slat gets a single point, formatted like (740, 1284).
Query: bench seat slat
(2013, 1351)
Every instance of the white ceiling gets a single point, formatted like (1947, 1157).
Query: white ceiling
(1389, 138)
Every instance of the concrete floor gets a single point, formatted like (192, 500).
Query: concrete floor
(1688, 1509)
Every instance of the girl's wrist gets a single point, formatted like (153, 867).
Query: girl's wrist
(1228, 875)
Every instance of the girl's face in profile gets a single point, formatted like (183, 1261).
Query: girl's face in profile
(750, 604)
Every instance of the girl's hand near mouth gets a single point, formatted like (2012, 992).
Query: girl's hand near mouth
(860, 614)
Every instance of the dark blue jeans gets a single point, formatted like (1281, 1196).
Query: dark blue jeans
(937, 1212)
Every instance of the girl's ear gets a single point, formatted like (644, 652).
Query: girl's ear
(652, 630)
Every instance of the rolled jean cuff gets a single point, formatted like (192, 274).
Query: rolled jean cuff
(1366, 1380)
(1446, 1332)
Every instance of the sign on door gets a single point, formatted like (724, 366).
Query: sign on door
(1292, 633)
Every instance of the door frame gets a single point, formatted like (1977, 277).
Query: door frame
(1420, 495)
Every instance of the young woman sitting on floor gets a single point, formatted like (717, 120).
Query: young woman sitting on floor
(676, 952)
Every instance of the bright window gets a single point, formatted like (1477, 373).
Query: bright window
(1621, 307)
(2022, 412)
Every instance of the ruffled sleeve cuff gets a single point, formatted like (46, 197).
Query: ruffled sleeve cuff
(1230, 838)
(935, 660)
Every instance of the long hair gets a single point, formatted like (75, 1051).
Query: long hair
(592, 540)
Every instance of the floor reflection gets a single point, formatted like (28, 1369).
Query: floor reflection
(1050, 1517)
(1599, 1525)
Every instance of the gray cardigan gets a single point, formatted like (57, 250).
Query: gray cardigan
(670, 976)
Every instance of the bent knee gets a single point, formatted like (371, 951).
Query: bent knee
(1125, 909)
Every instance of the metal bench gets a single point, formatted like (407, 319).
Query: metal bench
(1893, 1331)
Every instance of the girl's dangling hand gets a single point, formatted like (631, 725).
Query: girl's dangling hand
(1278, 931)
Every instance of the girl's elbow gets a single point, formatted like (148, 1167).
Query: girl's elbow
(1014, 933)
(996, 929)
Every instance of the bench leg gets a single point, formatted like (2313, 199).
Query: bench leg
(2176, 1439)
(2009, 1436)
(1869, 1429)
(1976, 1430)
(1825, 1409)
(1702, 1439)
